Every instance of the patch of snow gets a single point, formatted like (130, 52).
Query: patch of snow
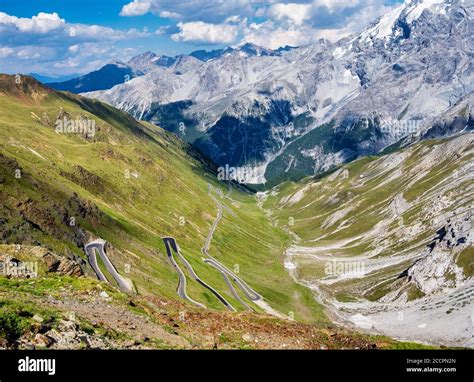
(417, 9)
(385, 25)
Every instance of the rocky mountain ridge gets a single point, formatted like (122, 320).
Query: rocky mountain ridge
(308, 109)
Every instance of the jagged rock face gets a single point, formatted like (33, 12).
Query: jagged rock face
(148, 61)
(415, 63)
(436, 272)
(68, 267)
(395, 79)
(49, 261)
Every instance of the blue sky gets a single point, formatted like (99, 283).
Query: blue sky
(61, 37)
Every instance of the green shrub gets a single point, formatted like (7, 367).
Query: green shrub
(11, 326)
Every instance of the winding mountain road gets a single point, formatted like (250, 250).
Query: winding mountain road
(248, 291)
(172, 246)
(230, 286)
(97, 246)
(228, 275)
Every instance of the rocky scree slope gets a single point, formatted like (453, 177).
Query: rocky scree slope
(386, 243)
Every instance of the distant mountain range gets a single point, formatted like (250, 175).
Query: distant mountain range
(288, 113)
(118, 72)
(104, 78)
(49, 79)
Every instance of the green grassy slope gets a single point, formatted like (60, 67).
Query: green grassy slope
(130, 184)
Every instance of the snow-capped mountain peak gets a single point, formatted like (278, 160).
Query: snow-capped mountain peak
(255, 50)
(149, 61)
(263, 109)
(397, 21)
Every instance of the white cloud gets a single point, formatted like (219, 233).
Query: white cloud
(170, 15)
(297, 13)
(260, 12)
(50, 28)
(161, 30)
(198, 31)
(333, 5)
(69, 63)
(42, 23)
(332, 35)
(208, 11)
(6, 51)
(136, 8)
(232, 19)
(40, 42)
(295, 21)
(271, 36)
(28, 54)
